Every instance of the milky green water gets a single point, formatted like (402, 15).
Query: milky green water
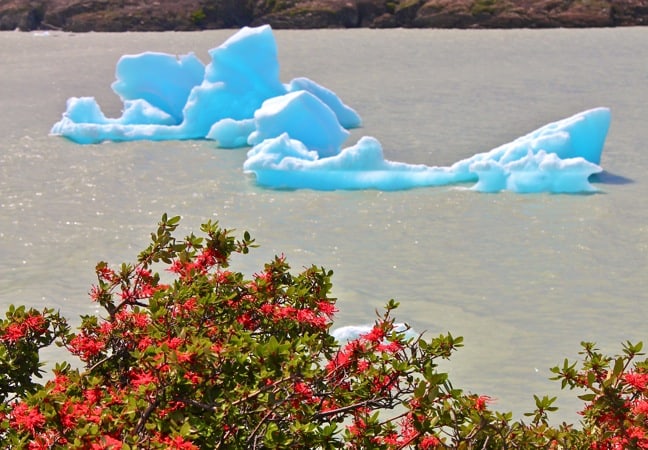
(524, 278)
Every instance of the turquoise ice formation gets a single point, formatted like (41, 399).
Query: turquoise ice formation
(296, 130)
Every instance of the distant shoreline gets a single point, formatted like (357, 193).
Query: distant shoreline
(194, 15)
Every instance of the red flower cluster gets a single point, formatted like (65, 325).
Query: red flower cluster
(26, 417)
(213, 360)
(31, 324)
(200, 265)
(637, 380)
(86, 346)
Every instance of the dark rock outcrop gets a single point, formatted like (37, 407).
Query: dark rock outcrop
(158, 15)
(514, 13)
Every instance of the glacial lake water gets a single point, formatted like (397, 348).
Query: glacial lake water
(524, 278)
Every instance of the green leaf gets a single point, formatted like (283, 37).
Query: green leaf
(587, 397)
(618, 367)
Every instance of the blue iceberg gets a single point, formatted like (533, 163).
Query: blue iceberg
(554, 158)
(184, 99)
(297, 129)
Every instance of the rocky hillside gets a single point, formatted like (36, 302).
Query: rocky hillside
(158, 15)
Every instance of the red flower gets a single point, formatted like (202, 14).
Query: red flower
(173, 342)
(641, 407)
(636, 380)
(376, 334)
(304, 390)
(140, 378)
(26, 417)
(327, 308)
(284, 312)
(177, 443)
(206, 259)
(183, 357)
(266, 277)
(193, 377)
(35, 323)
(92, 395)
(481, 402)
(107, 443)
(362, 366)
(267, 309)
(69, 414)
(173, 406)
(636, 433)
(408, 431)
(185, 308)
(345, 356)
(178, 267)
(95, 293)
(390, 347)
(14, 332)
(127, 295)
(144, 273)
(328, 405)
(429, 442)
(46, 440)
(222, 276)
(140, 320)
(380, 383)
(106, 328)
(60, 383)
(106, 274)
(247, 321)
(391, 439)
(144, 343)
(358, 426)
(308, 317)
(85, 346)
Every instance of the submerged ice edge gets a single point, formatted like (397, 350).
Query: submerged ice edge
(297, 129)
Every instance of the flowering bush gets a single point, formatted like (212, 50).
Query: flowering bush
(215, 360)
